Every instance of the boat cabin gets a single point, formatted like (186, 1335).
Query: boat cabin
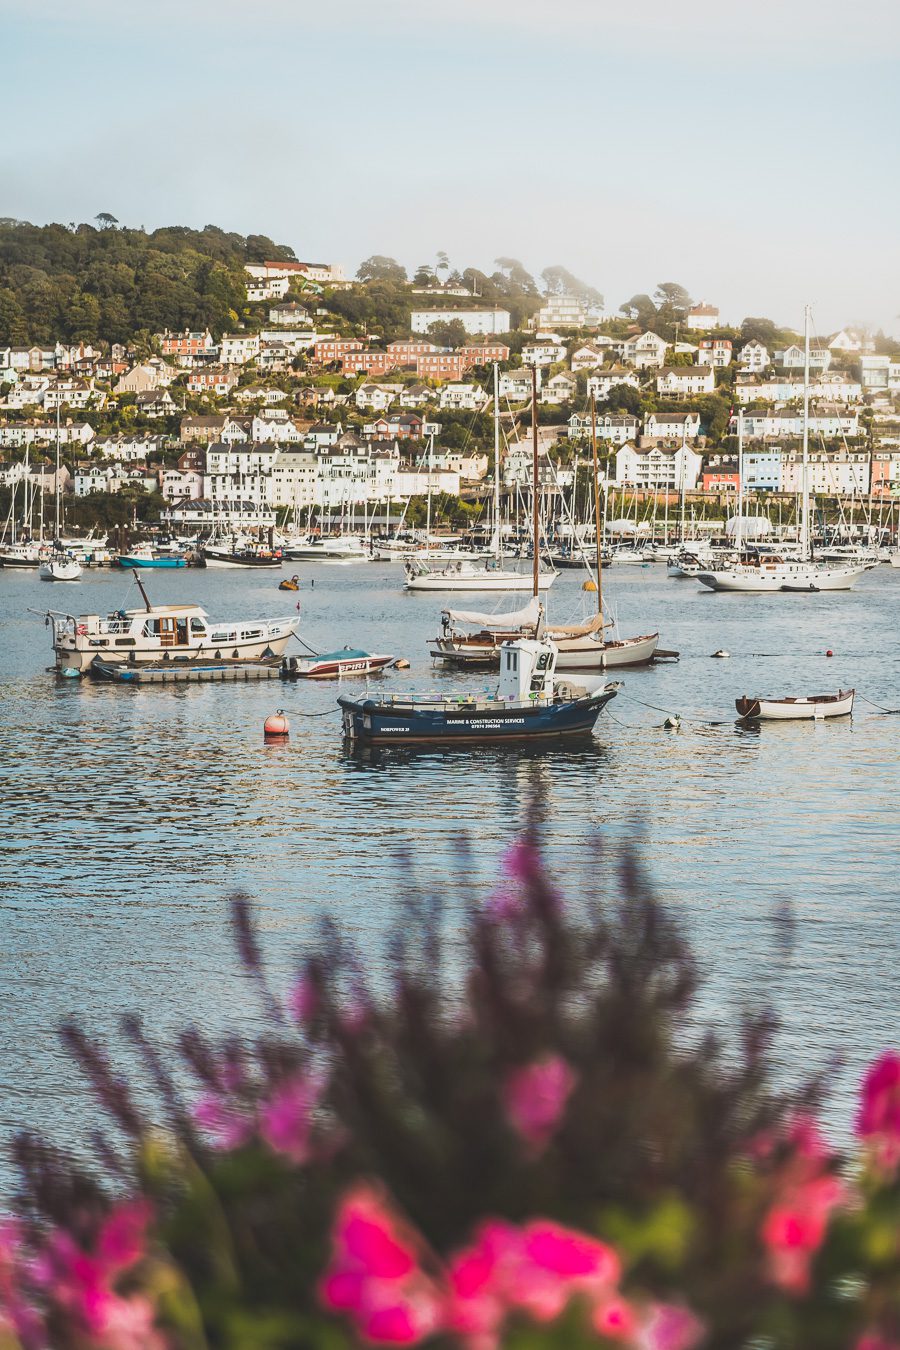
(527, 668)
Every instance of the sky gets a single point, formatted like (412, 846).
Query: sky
(747, 151)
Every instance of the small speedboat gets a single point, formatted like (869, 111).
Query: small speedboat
(60, 568)
(811, 709)
(334, 665)
(290, 583)
(143, 556)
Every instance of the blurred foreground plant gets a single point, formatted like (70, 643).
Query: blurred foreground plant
(510, 1138)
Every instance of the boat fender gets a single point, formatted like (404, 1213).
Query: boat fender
(722, 653)
(276, 726)
(672, 723)
(401, 664)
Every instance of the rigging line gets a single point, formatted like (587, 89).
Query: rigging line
(697, 721)
(890, 712)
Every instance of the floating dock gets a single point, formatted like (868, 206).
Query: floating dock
(185, 672)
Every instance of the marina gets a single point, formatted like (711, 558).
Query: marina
(173, 798)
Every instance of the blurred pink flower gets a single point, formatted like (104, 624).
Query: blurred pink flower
(303, 1000)
(522, 860)
(375, 1276)
(795, 1227)
(878, 1121)
(615, 1319)
(128, 1324)
(535, 1097)
(286, 1120)
(671, 1326)
(556, 1263)
(224, 1122)
(122, 1237)
(873, 1341)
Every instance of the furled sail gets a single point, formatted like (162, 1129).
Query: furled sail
(529, 617)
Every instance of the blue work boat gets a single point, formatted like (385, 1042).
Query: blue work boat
(528, 705)
(145, 557)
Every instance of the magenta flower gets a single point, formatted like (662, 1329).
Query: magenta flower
(522, 860)
(375, 1276)
(122, 1237)
(878, 1121)
(303, 1000)
(286, 1120)
(795, 1228)
(671, 1327)
(615, 1319)
(225, 1123)
(535, 1098)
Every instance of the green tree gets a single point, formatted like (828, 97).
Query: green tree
(641, 309)
(560, 281)
(624, 398)
(380, 268)
(448, 333)
(13, 324)
(106, 221)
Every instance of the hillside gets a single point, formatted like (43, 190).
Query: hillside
(102, 283)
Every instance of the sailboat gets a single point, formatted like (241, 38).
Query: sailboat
(775, 573)
(583, 646)
(59, 566)
(488, 574)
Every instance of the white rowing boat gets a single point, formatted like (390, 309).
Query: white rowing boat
(812, 709)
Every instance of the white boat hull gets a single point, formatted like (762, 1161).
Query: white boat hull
(587, 653)
(798, 709)
(783, 576)
(60, 569)
(482, 581)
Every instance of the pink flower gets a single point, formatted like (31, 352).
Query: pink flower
(522, 861)
(671, 1327)
(614, 1319)
(286, 1120)
(303, 1000)
(555, 1264)
(227, 1125)
(872, 1341)
(121, 1240)
(128, 1324)
(375, 1276)
(795, 1228)
(878, 1121)
(535, 1098)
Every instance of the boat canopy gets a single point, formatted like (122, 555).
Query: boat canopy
(528, 617)
(594, 625)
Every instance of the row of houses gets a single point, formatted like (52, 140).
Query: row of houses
(843, 472)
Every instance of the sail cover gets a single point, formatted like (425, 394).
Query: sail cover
(593, 625)
(519, 618)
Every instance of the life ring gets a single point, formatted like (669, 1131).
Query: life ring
(81, 630)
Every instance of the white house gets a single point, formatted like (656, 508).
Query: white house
(466, 397)
(543, 353)
(647, 351)
(673, 425)
(28, 392)
(515, 385)
(753, 357)
(566, 311)
(417, 395)
(473, 320)
(850, 340)
(702, 316)
(793, 358)
(589, 357)
(762, 470)
(239, 348)
(180, 484)
(36, 433)
(828, 471)
(560, 388)
(603, 381)
(267, 288)
(293, 482)
(129, 449)
(831, 423)
(715, 352)
(685, 381)
(833, 387)
(610, 427)
(376, 396)
(658, 467)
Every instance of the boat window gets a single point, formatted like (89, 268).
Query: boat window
(222, 636)
(252, 633)
(125, 642)
(198, 626)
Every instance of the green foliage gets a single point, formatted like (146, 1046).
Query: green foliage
(560, 281)
(448, 333)
(380, 268)
(108, 284)
(641, 309)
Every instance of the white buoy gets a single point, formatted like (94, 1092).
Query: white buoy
(722, 653)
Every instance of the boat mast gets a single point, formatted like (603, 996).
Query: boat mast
(535, 511)
(739, 532)
(57, 526)
(805, 549)
(596, 503)
(496, 539)
(428, 508)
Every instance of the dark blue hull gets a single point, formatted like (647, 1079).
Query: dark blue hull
(454, 722)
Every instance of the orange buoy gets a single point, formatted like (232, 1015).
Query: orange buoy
(276, 726)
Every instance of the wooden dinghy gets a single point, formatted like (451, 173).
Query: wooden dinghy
(812, 708)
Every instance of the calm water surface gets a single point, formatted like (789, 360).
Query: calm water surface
(129, 814)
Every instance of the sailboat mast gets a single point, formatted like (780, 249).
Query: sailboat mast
(596, 503)
(535, 513)
(739, 532)
(56, 483)
(496, 539)
(805, 549)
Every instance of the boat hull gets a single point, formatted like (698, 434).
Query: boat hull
(452, 722)
(334, 665)
(487, 581)
(215, 559)
(135, 560)
(589, 654)
(812, 709)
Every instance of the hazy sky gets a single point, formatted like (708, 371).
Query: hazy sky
(748, 151)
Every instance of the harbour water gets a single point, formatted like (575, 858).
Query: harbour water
(130, 814)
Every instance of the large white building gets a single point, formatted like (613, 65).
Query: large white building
(830, 472)
(473, 320)
(658, 468)
(686, 381)
(828, 422)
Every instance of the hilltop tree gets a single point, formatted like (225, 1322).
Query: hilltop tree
(106, 221)
(443, 262)
(760, 330)
(560, 281)
(640, 308)
(673, 302)
(380, 268)
(424, 276)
